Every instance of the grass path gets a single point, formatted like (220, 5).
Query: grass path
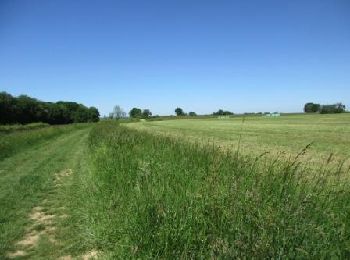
(31, 182)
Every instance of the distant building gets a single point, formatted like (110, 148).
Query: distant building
(223, 117)
(274, 114)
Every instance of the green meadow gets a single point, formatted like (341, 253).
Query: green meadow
(328, 134)
(187, 188)
(174, 130)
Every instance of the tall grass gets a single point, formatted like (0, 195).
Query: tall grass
(18, 140)
(5, 129)
(158, 197)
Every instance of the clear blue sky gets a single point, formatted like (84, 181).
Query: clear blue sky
(243, 56)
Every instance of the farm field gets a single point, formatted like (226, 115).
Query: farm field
(174, 130)
(111, 190)
(327, 134)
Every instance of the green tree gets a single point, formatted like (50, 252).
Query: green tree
(146, 113)
(179, 112)
(57, 114)
(94, 115)
(135, 112)
(24, 109)
(7, 108)
(117, 113)
(312, 107)
(340, 108)
(330, 109)
(221, 112)
(192, 114)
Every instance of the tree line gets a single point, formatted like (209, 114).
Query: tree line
(180, 112)
(24, 109)
(135, 112)
(324, 109)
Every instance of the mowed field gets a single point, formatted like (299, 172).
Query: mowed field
(290, 134)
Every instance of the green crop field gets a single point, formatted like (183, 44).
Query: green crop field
(327, 134)
(177, 189)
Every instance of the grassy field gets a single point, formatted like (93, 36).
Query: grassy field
(158, 197)
(112, 191)
(328, 134)
(5, 129)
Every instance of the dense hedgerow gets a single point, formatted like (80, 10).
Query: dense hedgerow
(150, 196)
(24, 110)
